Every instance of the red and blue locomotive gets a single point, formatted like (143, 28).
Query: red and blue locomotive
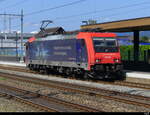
(86, 54)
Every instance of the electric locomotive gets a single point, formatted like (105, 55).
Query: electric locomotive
(86, 54)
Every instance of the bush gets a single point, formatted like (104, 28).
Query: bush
(127, 52)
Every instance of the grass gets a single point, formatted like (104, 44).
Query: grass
(2, 78)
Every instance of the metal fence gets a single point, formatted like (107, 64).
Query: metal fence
(11, 51)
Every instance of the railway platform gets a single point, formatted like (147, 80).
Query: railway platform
(129, 73)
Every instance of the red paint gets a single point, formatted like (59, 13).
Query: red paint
(104, 58)
(31, 39)
(107, 57)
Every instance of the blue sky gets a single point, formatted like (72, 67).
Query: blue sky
(70, 13)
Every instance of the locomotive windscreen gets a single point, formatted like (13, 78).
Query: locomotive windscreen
(105, 44)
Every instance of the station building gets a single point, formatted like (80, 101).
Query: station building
(10, 45)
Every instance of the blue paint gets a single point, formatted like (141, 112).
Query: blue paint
(69, 50)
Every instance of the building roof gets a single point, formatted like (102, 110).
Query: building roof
(50, 31)
(129, 25)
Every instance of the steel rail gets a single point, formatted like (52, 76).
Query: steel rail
(120, 83)
(132, 84)
(127, 83)
(107, 94)
(46, 101)
(25, 101)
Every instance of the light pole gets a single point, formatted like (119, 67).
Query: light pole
(5, 36)
(21, 58)
(1, 44)
(1, 41)
(16, 39)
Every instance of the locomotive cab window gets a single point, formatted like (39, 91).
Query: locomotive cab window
(102, 44)
(110, 42)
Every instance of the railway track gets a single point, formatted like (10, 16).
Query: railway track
(107, 94)
(127, 83)
(120, 83)
(25, 101)
(42, 102)
(131, 84)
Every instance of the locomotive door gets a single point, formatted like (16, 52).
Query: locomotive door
(27, 57)
(80, 51)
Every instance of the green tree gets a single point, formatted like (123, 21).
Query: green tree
(144, 39)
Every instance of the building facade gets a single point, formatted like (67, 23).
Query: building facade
(10, 44)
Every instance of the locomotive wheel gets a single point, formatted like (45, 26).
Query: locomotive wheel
(67, 72)
(121, 75)
(47, 71)
(30, 68)
(85, 75)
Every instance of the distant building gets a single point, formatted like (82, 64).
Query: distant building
(10, 43)
(127, 40)
(124, 40)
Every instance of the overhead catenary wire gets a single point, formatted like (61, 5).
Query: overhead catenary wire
(127, 12)
(116, 14)
(86, 13)
(98, 11)
(56, 7)
(111, 15)
(15, 4)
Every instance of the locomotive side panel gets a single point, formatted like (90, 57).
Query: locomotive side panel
(66, 53)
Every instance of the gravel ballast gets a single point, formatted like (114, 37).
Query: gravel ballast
(92, 101)
(136, 91)
(10, 105)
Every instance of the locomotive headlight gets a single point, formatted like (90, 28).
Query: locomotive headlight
(116, 60)
(98, 60)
